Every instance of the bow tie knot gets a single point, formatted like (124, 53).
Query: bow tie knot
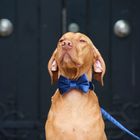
(82, 83)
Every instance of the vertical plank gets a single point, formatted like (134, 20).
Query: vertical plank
(98, 28)
(7, 54)
(124, 66)
(76, 13)
(136, 50)
(135, 95)
(50, 31)
(28, 61)
(8, 67)
(122, 52)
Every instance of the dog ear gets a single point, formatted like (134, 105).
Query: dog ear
(53, 68)
(98, 66)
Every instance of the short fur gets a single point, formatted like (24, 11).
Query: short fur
(75, 115)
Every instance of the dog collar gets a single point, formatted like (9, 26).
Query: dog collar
(82, 83)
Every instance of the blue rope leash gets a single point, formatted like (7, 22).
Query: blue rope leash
(119, 125)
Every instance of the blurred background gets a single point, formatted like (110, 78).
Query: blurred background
(29, 30)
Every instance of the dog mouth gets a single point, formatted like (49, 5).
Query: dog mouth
(67, 58)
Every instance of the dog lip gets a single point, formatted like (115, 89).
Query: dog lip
(62, 57)
(76, 64)
(64, 54)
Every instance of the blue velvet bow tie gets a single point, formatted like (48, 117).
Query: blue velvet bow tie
(82, 83)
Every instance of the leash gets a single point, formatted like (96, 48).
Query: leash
(119, 125)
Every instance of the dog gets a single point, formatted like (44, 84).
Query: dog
(75, 115)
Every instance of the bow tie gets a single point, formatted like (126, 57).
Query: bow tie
(82, 83)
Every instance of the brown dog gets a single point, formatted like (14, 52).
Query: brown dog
(75, 115)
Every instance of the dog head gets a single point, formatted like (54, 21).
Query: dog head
(75, 55)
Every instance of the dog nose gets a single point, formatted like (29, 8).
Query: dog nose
(67, 44)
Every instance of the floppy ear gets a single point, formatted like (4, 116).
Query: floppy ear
(53, 68)
(98, 66)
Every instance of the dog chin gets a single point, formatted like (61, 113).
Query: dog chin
(66, 59)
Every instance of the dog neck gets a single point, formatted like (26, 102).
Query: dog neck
(73, 97)
(75, 73)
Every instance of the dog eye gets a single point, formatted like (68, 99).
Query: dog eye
(61, 40)
(82, 40)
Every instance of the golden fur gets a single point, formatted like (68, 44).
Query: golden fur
(75, 115)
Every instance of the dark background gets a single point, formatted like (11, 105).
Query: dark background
(25, 88)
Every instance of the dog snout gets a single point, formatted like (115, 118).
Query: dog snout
(67, 45)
